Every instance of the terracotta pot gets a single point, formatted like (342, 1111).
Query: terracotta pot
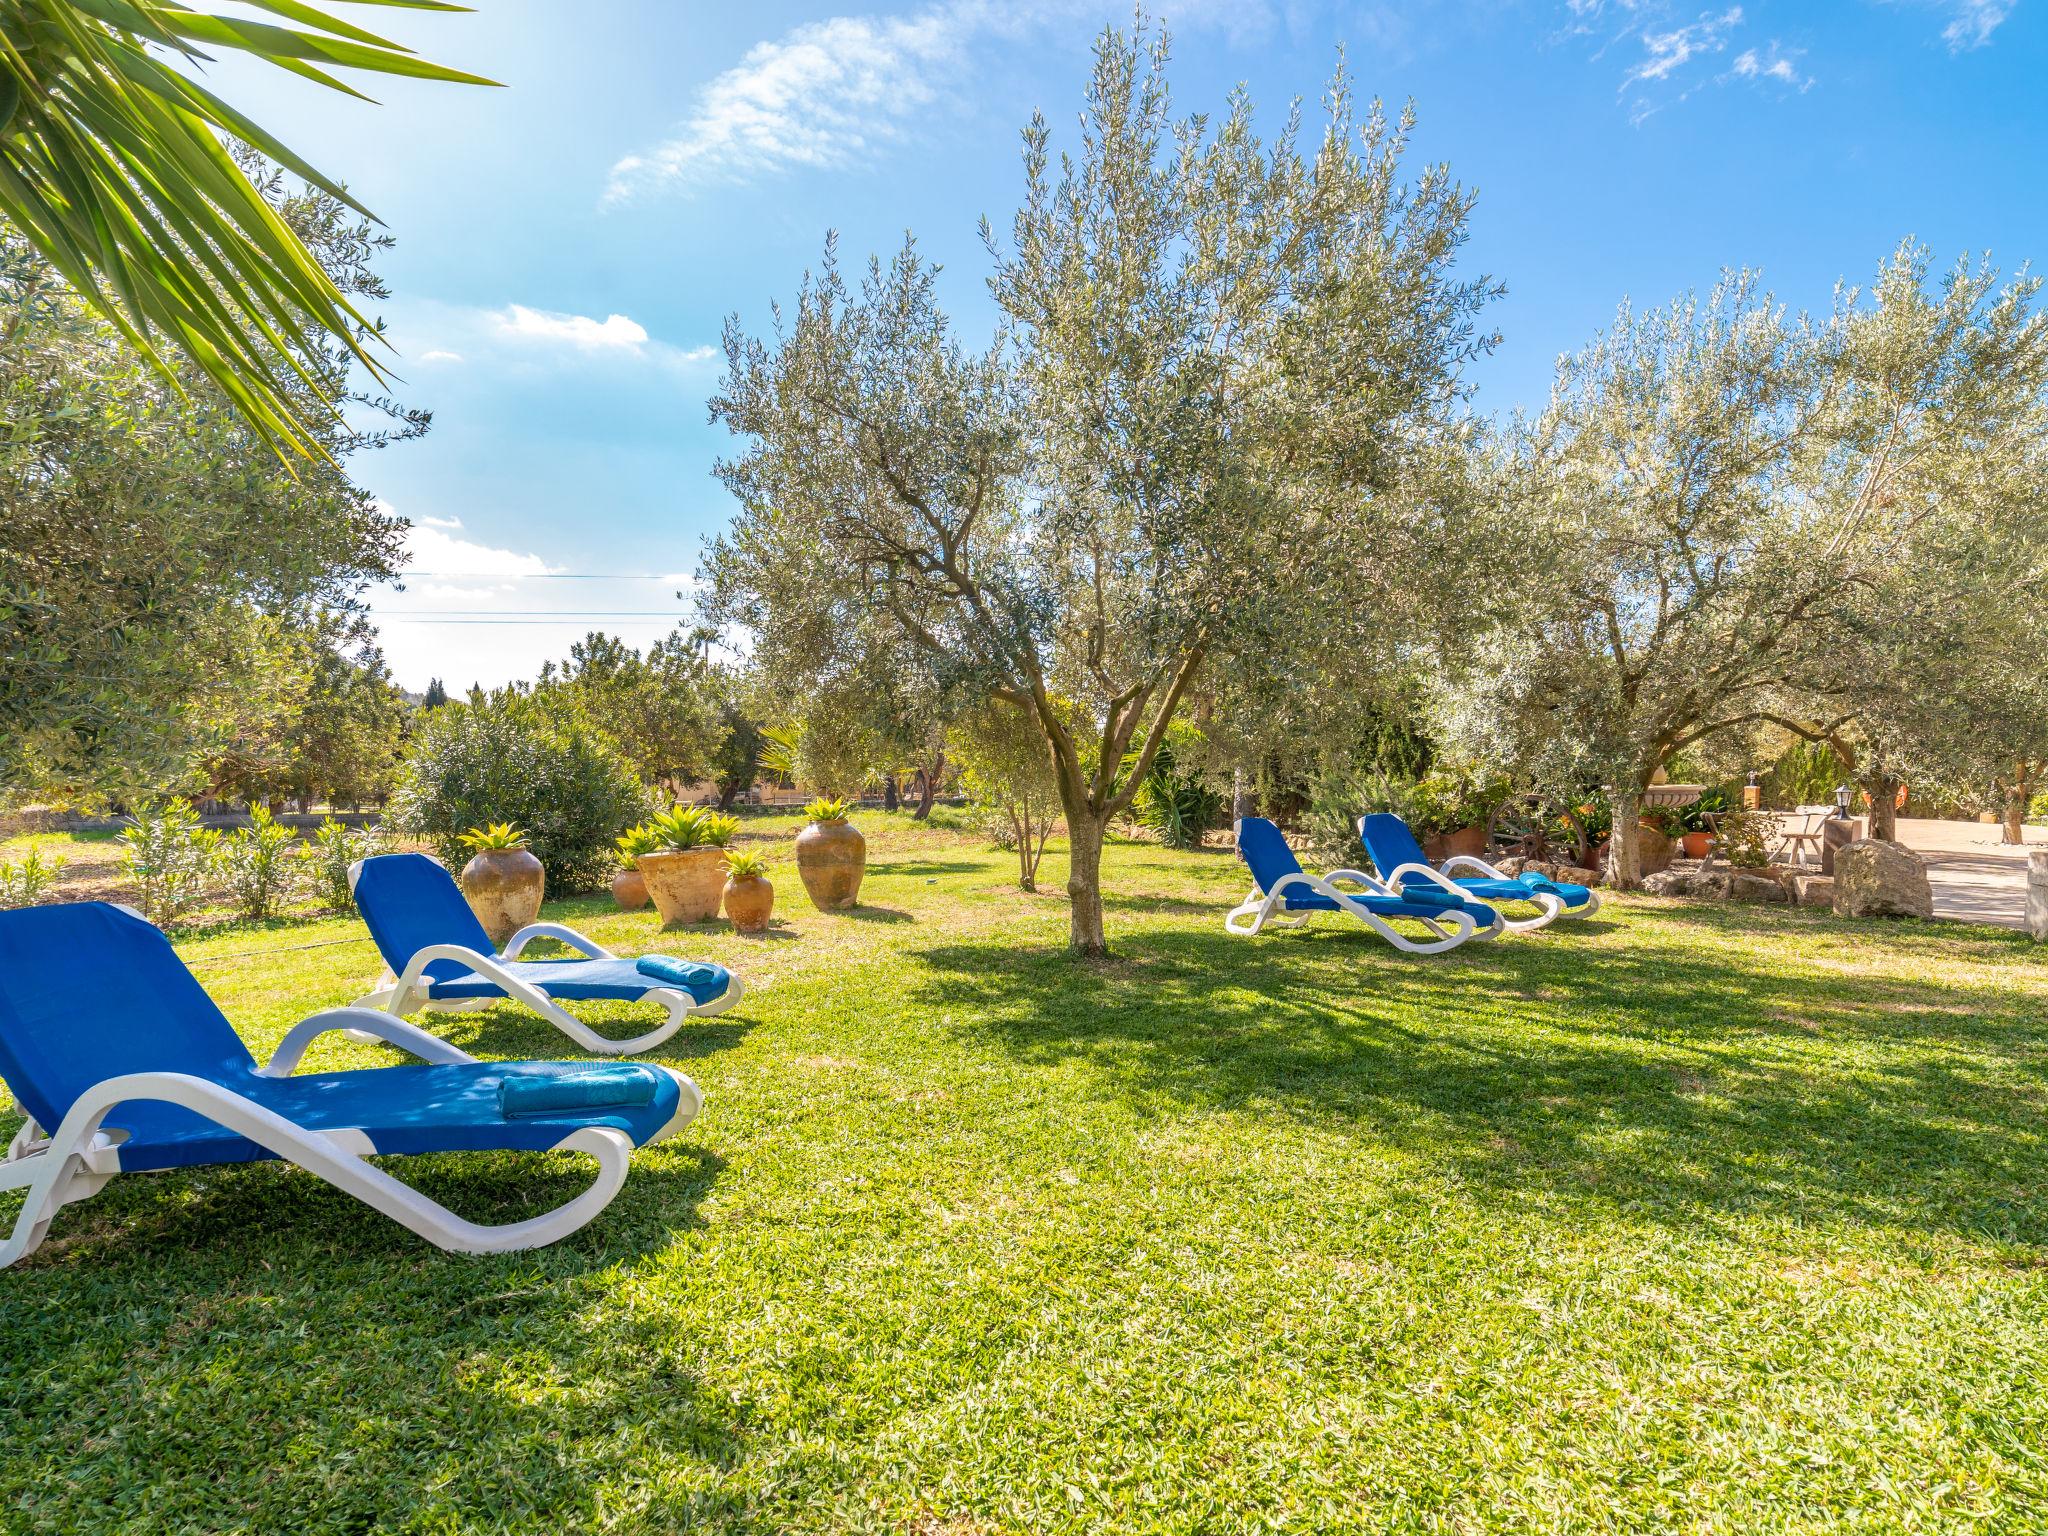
(504, 887)
(629, 890)
(1469, 842)
(831, 856)
(749, 902)
(1698, 844)
(686, 884)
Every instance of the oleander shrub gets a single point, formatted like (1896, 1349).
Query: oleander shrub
(260, 865)
(171, 858)
(327, 856)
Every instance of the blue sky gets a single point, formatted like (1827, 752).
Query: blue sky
(570, 245)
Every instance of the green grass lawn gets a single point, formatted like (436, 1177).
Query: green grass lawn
(1681, 1218)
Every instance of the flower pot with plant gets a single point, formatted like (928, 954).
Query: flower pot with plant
(502, 881)
(629, 886)
(749, 897)
(1696, 836)
(685, 872)
(831, 856)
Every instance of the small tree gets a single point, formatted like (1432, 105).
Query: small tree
(1009, 776)
(1710, 493)
(660, 709)
(1218, 358)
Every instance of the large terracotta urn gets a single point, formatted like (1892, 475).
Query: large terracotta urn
(629, 890)
(686, 884)
(831, 857)
(504, 887)
(749, 902)
(1467, 842)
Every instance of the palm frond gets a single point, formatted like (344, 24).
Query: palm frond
(112, 165)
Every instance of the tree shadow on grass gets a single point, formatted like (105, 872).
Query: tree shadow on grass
(1680, 1089)
(281, 1351)
(512, 1032)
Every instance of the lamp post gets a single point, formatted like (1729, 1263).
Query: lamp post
(1842, 796)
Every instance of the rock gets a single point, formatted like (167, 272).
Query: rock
(1878, 878)
(1813, 890)
(1564, 874)
(1745, 886)
(2037, 895)
(1719, 883)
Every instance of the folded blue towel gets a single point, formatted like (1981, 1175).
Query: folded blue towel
(614, 1087)
(699, 980)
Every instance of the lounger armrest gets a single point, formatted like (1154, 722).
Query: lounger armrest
(1373, 884)
(386, 1027)
(589, 948)
(1424, 873)
(1459, 861)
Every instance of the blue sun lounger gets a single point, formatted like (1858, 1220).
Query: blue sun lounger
(441, 960)
(123, 1064)
(1403, 867)
(1284, 895)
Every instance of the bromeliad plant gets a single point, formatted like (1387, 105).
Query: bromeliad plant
(498, 837)
(635, 841)
(746, 864)
(825, 810)
(690, 826)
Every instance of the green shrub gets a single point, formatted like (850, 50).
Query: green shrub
(1175, 801)
(1440, 801)
(258, 865)
(171, 858)
(503, 758)
(24, 884)
(334, 847)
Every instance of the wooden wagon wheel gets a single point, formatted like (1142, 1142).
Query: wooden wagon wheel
(1536, 826)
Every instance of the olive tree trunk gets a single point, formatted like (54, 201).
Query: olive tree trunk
(1625, 842)
(2019, 794)
(1085, 934)
(928, 786)
(1882, 790)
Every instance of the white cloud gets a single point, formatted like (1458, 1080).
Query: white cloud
(541, 325)
(482, 612)
(440, 355)
(1772, 64)
(432, 546)
(1666, 52)
(823, 95)
(1972, 22)
(833, 94)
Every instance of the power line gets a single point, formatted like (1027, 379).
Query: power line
(537, 613)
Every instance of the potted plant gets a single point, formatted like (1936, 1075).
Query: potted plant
(503, 881)
(749, 897)
(629, 886)
(685, 873)
(1696, 838)
(831, 856)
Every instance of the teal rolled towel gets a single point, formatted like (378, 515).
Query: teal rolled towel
(701, 981)
(618, 1087)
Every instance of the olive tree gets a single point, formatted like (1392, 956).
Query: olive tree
(1714, 489)
(1181, 451)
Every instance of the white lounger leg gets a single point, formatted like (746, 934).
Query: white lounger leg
(409, 994)
(78, 1161)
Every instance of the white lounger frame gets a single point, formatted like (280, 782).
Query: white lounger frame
(75, 1162)
(1552, 905)
(409, 993)
(1268, 909)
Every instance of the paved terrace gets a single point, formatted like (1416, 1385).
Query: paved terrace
(1975, 877)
